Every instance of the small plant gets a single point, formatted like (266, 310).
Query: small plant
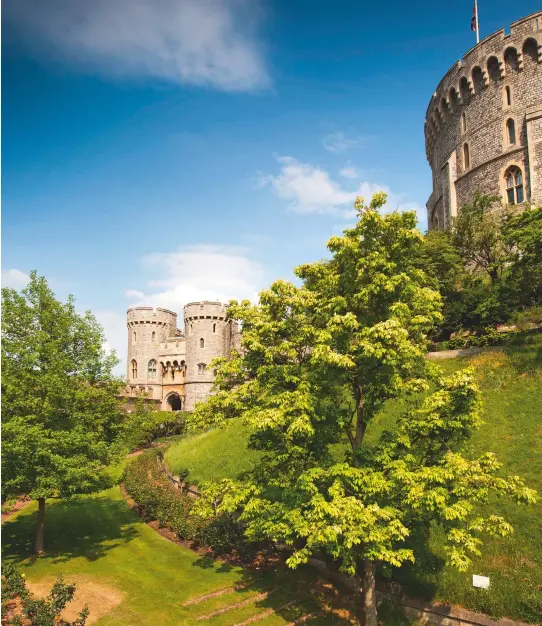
(21, 608)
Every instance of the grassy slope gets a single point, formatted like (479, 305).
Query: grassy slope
(511, 385)
(213, 455)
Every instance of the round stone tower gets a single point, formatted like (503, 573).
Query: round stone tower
(147, 328)
(483, 127)
(207, 331)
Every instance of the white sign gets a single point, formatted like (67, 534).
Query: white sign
(480, 581)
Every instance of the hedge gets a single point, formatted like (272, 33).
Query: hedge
(145, 481)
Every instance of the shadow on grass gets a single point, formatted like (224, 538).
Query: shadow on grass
(420, 578)
(288, 594)
(87, 527)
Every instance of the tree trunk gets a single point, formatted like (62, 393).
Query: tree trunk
(38, 545)
(369, 593)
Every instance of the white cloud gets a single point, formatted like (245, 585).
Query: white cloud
(348, 171)
(309, 189)
(199, 272)
(116, 335)
(14, 278)
(339, 142)
(134, 294)
(200, 42)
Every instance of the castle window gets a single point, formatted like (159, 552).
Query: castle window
(530, 53)
(152, 369)
(214, 328)
(153, 336)
(135, 336)
(202, 343)
(134, 368)
(493, 69)
(514, 185)
(466, 156)
(508, 95)
(201, 368)
(511, 131)
(463, 123)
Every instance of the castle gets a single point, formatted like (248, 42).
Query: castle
(169, 367)
(483, 126)
(483, 132)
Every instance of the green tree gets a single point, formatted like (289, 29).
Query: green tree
(523, 281)
(478, 235)
(60, 413)
(318, 363)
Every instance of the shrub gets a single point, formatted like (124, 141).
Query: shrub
(528, 318)
(224, 534)
(148, 485)
(146, 482)
(142, 427)
(21, 608)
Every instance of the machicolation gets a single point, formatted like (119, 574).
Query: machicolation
(483, 126)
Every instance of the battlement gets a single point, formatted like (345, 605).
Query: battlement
(205, 310)
(496, 56)
(150, 315)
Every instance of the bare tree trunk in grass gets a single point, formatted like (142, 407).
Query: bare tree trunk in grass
(38, 545)
(369, 593)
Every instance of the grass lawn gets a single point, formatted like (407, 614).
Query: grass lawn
(213, 455)
(130, 575)
(511, 384)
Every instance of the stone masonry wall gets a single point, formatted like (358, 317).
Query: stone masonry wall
(470, 107)
(206, 338)
(147, 328)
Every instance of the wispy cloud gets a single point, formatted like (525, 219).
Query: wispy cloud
(339, 142)
(14, 278)
(199, 272)
(310, 189)
(201, 42)
(114, 327)
(349, 171)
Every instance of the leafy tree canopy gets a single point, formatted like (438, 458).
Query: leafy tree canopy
(60, 414)
(317, 364)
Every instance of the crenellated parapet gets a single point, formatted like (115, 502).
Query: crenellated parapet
(151, 315)
(205, 310)
(489, 61)
(483, 126)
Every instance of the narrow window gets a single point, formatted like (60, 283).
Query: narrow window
(508, 95)
(134, 368)
(514, 185)
(153, 336)
(201, 368)
(463, 123)
(511, 132)
(202, 343)
(135, 336)
(214, 328)
(466, 156)
(152, 368)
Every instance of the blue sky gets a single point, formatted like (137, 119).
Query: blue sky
(164, 151)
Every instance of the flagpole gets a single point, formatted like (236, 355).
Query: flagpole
(477, 22)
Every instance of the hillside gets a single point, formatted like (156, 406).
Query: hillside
(213, 455)
(511, 384)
